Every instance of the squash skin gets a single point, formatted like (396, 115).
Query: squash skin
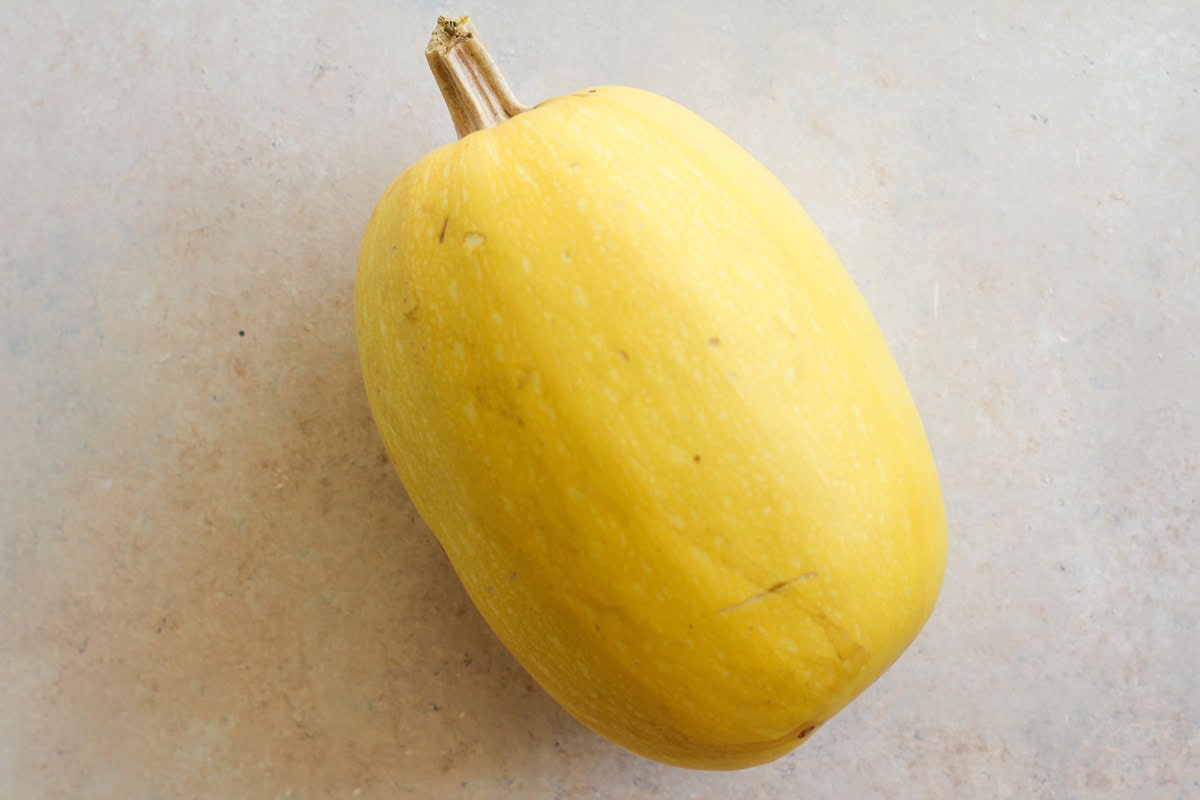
(653, 423)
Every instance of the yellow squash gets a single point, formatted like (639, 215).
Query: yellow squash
(648, 415)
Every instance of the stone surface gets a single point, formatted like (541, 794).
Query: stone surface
(211, 581)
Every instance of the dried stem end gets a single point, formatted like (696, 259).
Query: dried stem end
(471, 84)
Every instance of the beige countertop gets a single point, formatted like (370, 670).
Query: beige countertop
(212, 583)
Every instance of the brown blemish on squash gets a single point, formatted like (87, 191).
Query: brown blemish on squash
(442, 235)
(714, 341)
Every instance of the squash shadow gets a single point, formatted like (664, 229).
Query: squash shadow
(285, 622)
(390, 676)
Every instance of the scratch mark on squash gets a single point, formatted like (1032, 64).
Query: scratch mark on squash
(772, 589)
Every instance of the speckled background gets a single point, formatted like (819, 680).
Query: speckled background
(213, 584)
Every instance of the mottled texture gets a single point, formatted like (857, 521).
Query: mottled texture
(211, 582)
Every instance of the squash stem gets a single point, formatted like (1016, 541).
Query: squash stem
(475, 92)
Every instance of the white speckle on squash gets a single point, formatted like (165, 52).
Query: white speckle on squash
(470, 412)
(496, 318)
(473, 239)
(580, 297)
(453, 289)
